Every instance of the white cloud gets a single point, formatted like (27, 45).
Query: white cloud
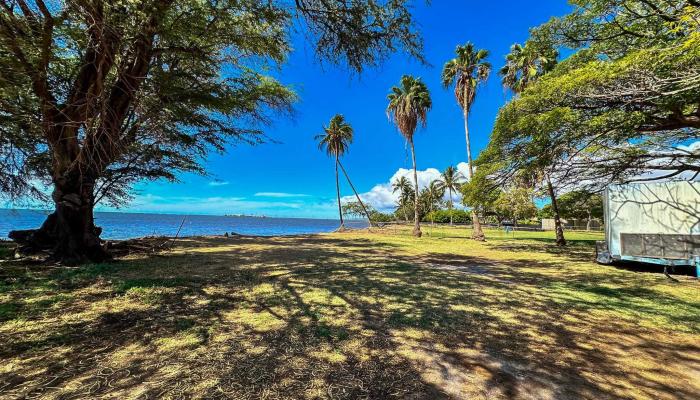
(382, 197)
(279, 194)
(218, 183)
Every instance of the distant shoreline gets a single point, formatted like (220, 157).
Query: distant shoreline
(186, 215)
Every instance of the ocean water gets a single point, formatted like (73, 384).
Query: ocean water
(118, 225)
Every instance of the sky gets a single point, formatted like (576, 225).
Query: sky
(290, 177)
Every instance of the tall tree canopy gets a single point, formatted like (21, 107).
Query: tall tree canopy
(96, 95)
(409, 103)
(524, 64)
(466, 72)
(626, 98)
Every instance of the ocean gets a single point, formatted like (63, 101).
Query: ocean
(120, 225)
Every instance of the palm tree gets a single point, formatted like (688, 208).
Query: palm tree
(403, 186)
(334, 140)
(466, 72)
(434, 193)
(451, 180)
(524, 64)
(408, 107)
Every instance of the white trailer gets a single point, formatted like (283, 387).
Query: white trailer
(657, 223)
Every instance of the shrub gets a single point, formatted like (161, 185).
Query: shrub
(443, 217)
(377, 216)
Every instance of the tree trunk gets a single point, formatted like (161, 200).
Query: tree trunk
(451, 204)
(69, 233)
(337, 190)
(477, 233)
(561, 241)
(416, 223)
(589, 223)
(357, 196)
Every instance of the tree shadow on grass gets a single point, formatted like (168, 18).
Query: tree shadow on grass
(329, 317)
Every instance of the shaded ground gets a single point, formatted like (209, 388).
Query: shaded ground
(351, 315)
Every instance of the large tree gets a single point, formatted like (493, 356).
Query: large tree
(408, 108)
(467, 71)
(528, 154)
(628, 97)
(96, 95)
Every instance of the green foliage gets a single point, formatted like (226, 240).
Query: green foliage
(466, 71)
(450, 181)
(406, 197)
(354, 209)
(578, 204)
(145, 283)
(481, 192)
(525, 64)
(515, 204)
(409, 103)
(621, 103)
(443, 216)
(581, 204)
(377, 216)
(545, 212)
(148, 88)
(336, 137)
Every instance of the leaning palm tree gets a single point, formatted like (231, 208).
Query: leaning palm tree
(525, 64)
(408, 107)
(466, 72)
(334, 140)
(451, 180)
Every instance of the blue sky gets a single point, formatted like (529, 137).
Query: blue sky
(293, 178)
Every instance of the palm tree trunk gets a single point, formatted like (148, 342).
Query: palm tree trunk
(356, 195)
(589, 223)
(416, 223)
(451, 206)
(561, 241)
(477, 233)
(337, 190)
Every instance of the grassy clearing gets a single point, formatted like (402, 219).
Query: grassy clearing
(359, 314)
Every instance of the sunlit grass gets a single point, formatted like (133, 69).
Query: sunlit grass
(360, 314)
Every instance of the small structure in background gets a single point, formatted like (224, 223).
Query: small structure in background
(656, 223)
(572, 224)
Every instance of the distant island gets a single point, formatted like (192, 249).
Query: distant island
(245, 215)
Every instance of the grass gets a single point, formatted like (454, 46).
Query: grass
(351, 315)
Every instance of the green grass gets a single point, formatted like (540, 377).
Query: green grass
(375, 314)
(7, 250)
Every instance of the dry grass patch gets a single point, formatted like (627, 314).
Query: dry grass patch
(375, 314)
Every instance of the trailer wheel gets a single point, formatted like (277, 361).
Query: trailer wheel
(602, 254)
